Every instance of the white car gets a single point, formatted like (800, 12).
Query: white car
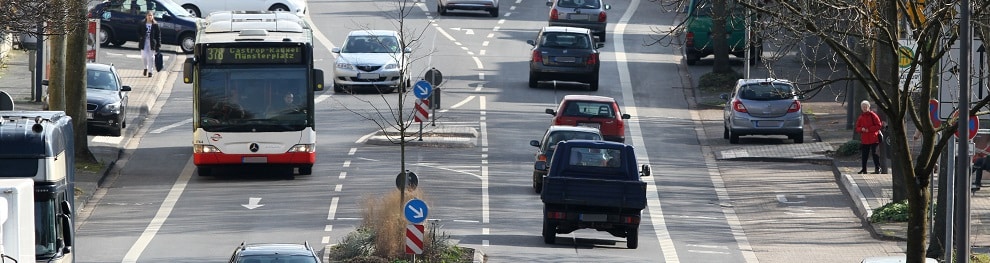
(371, 58)
(203, 8)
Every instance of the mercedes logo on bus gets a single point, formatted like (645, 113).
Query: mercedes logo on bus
(253, 147)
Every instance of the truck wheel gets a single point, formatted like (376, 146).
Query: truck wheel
(549, 232)
(632, 238)
(537, 183)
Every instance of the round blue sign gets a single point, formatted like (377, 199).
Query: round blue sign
(415, 211)
(422, 89)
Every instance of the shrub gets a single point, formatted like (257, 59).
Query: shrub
(891, 212)
(717, 82)
(849, 148)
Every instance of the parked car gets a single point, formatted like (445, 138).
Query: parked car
(564, 53)
(490, 6)
(106, 99)
(698, 28)
(203, 8)
(597, 112)
(274, 252)
(545, 147)
(588, 14)
(763, 107)
(120, 21)
(371, 58)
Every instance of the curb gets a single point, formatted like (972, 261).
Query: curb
(441, 142)
(479, 257)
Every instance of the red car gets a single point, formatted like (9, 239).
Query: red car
(592, 111)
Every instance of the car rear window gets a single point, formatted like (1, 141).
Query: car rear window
(559, 136)
(766, 91)
(589, 109)
(565, 40)
(585, 4)
(595, 157)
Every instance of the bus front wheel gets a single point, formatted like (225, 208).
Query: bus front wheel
(306, 170)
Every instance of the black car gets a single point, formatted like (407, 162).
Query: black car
(274, 252)
(120, 21)
(106, 99)
(564, 53)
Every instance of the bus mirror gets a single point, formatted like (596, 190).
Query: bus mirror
(187, 70)
(66, 207)
(67, 230)
(318, 79)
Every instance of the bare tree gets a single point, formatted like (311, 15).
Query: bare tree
(864, 38)
(75, 77)
(19, 16)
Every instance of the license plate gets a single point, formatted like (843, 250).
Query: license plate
(565, 59)
(89, 115)
(260, 159)
(590, 124)
(578, 17)
(593, 217)
(368, 75)
(768, 123)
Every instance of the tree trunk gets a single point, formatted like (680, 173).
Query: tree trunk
(75, 77)
(56, 82)
(720, 46)
(936, 242)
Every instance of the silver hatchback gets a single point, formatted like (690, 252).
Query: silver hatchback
(763, 107)
(588, 14)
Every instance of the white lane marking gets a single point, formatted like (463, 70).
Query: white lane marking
(365, 137)
(484, 44)
(485, 231)
(329, 228)
(507, 14)
(369, 159)
(782, 198)
(481, 75)
(449, 169)
(484, 167)
(163, 212)
(470, 53)
(496, 28)
(444, 33)
(338, 188)
(462, 102)
(490, 35)
(347, 163)
(501, 21)
(479, 87)
(480, 66)
(319, 35)
(512, 8)
(485, 243)
(465, 221)
(482, 52)
(321, 98)
(342, 175)
(325, 240)
(518, 1)
(468, 31)
(352, 151)
(333, 208)
(177, 124)
(132, 56)
(458, 43)
(464, 48)
(653, 198)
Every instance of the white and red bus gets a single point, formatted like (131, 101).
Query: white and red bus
(253, 89)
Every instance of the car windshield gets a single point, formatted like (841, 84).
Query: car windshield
(565, 40)
(766, 91)
(253, 99)
(589, 109)
(585, 4)
(102, 80)
(174, 8)
(371, 44)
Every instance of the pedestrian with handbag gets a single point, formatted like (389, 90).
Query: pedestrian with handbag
(868, 126)
(150, 40)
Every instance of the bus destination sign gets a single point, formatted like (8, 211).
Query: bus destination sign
(254, 55)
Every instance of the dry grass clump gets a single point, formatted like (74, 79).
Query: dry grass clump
(384, 216)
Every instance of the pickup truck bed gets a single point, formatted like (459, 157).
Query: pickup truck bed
(594, 192)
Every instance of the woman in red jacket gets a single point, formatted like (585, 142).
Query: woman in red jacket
(868, 126)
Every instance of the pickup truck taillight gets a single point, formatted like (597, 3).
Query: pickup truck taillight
(556, 215)
(553, 14)
(630, 220)
(689, 39)
(602, 17)
(795, 107)
(738, 106)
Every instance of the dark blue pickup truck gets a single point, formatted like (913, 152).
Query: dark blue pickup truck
(596, 185)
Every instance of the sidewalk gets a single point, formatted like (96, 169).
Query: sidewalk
(15, 79)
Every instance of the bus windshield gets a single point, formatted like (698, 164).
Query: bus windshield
(253, 99)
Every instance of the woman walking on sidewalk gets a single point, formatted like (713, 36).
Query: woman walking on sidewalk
(868, 126)
(150, 40)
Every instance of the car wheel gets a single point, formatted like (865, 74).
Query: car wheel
(733, 137)
(494, 12)
(118, 130)
(549, 232)
(534, 79)
(105, 36)
(192, 10)
(798, 138)
(537, 182)
(306, 170)
(632, 238)
(279, 7)
(725, 132)
(441, 10)
(187, 42)
(204, 171)
(593, 84)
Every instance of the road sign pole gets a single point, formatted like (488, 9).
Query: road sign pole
(420, 131)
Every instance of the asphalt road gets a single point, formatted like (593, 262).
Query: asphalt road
(157, 210)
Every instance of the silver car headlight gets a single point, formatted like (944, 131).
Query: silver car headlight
(391, 66)
(344, 65)
(112, 107)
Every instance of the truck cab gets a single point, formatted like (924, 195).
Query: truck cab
(594, 185)
(698, 31)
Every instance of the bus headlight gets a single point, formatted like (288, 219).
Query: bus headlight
(302, 148)
(205, 148)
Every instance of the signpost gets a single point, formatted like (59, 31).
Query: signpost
(414, 239)
(933, 113)
(415, 211)
(411, 180)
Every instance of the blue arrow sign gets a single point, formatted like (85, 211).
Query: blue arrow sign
(422, 89)
(416, 211)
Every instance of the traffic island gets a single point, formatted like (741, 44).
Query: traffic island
(431, 136)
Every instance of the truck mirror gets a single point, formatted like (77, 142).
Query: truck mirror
(645, 170)
(534, 143)
(187, 70)
(551, 112)
(318, 79)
